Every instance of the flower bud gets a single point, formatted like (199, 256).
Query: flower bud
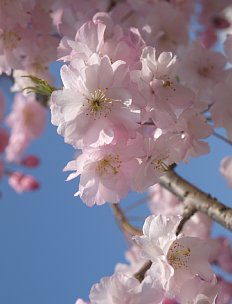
(21, 182)
(30, 161)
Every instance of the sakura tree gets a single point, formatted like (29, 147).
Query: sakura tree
(144, 86)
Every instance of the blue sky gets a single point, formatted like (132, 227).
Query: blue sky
(53, 247)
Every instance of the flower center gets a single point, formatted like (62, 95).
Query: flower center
(99, 104)
(110, 164)
(205, 71)
(178, 256)
(159, 164)
(10, 39)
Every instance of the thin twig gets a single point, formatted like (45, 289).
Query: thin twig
(189, 211)
(226, 140)
(142, 271)
(137, 218)
(125, 225)
(137, 203)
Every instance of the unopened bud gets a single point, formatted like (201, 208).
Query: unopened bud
(22, 182)
(30, 161)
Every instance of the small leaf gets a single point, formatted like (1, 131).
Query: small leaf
(41, 86)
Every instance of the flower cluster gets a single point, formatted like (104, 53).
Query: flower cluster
(24, 123)
(140, 93)
(130, 106)
(180, 271)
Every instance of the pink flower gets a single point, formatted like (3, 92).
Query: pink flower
(201, 69)
(223, 256)
(4, 140)
(95, 103)
(89, 40)
(22, 182)
(26, 120)
(164, 202)
(27, 117)
(18, 143)
(117, 289)
(196, 291)
(221, 110)
(228, 47)
(188, 132)
(164, 97)
(133, 257)
(1, 169)
(30, 161)
(121, 289)
(2, 105)
(226, 169)
(155, 159)
(224, 291)
(106, 173)
(174, 258)
(165, 27)
(80, 301)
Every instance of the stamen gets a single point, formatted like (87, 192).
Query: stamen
(159, 163)
(178, 256)
(99, 104)
(10, 39)
(110, 164)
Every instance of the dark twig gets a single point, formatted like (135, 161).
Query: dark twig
(226, 140)
(142, 271)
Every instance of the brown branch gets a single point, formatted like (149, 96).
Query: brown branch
(197, 199)
(112, 4)
(141, 273)
(189, 211)
(125, 225)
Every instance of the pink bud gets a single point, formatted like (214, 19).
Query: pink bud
(220, 23)
(169, 301)
(1, 169)
(4, 139)
(208, 37)
(30, 161)
(22, 182)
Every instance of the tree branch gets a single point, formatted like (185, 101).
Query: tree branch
(197, 199)
(125, 225)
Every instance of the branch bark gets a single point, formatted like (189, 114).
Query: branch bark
(197, 199)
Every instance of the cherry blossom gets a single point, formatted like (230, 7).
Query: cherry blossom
(120, 289)
(163, 202)
(27, 121)
(222, 109)
(176, 258)
(201, 69)
(143, 89)
(106, 173)
(95, 103)
(22, 182)
(226, 169)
